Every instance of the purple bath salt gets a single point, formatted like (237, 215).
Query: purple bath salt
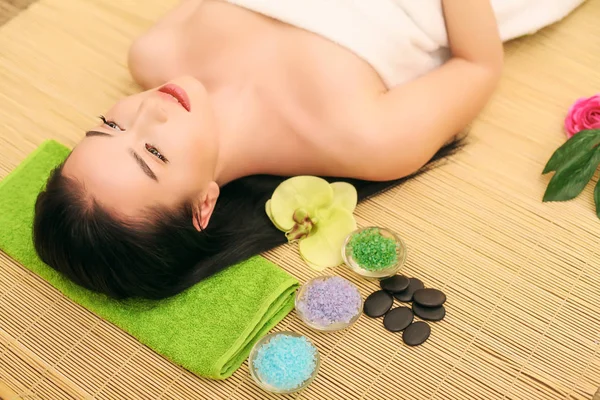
(328, 301)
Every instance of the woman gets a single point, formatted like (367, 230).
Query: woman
(170, 187)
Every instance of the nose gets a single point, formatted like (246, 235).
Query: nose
(150, 113)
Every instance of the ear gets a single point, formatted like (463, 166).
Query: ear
(205, 206)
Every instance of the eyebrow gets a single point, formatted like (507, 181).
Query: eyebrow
(140, 161)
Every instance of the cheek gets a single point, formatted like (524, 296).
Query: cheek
(199, 157)
(184, 152)
(194, 145)
(185, 183)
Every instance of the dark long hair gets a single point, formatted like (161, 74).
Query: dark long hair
(164, 255)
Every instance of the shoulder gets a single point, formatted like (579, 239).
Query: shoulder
(152, 58)
(155, 56)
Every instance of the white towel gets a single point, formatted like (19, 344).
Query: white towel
(402, 39)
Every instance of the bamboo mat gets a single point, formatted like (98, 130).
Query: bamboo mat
(522, 277)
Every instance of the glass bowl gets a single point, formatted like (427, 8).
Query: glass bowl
(301, 295)
(382, 273)
(265, 386)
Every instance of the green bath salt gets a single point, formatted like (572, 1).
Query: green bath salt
(372, 251)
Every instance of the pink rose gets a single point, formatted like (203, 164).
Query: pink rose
(583, 115)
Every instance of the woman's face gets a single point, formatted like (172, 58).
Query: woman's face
(155, 148)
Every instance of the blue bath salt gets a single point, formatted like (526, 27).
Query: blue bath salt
(285, 362)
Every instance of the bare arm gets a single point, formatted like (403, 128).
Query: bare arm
(411, 122)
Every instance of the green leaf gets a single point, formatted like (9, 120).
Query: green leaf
(579, 144)
(570, 180)
(597, 198)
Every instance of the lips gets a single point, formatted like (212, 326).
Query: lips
(178, 94)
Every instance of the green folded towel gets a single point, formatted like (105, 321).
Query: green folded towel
(209, 329)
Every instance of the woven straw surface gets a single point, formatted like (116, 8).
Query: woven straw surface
(522, 277)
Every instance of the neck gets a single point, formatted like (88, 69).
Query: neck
(242, 134)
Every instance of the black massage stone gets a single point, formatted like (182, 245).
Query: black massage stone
(429, 313)
(378, 303)
(398, 319)
(416, 333)
(406, 296)
(429, 297)
(394, 284)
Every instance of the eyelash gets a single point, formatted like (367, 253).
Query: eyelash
(151, 149)
(154, 151)
(111, 124)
